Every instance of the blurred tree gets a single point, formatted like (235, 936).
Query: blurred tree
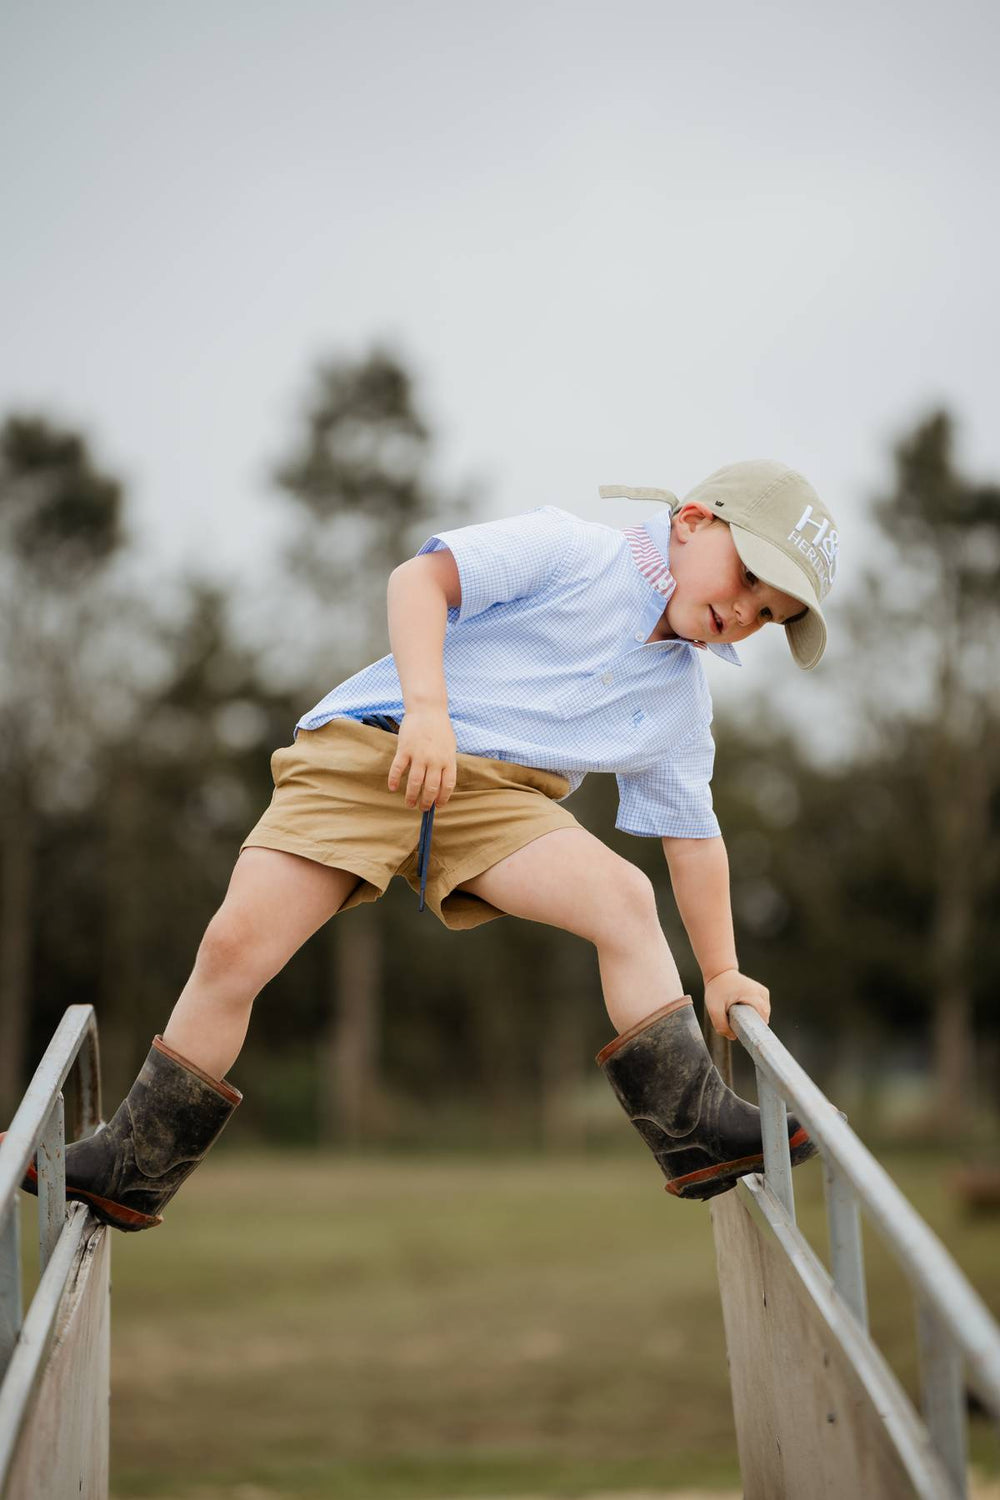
(929, 626)
(60, 526)
(130, 870)
(181, 785)
(360, 477)
(828, 902)
(135, 746)
(947, 528)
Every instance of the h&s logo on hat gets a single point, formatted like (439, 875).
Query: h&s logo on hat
(785, 534)
(782, 531)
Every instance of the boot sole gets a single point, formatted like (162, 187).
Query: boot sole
(709, 1182)
(108, 1212)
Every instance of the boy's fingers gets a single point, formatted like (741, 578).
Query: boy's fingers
(718, 1014)
(438, 783)
(447, 786)
(756, 1002)
(437, 792)
(720, 1022)
(414, 783)
(761, 1006)
(399, 764)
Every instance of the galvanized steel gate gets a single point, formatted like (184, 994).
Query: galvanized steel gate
(54, 1358)
(819, 1413)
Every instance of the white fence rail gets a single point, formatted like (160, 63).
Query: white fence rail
(758, 1243)
(54, 1358)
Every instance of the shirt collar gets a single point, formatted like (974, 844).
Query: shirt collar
(657, 528)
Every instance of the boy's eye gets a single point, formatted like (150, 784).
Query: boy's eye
(750, 577)
(766, 614)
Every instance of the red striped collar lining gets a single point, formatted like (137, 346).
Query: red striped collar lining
(650, 560)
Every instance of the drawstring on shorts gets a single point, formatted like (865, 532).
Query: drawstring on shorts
(383, 721)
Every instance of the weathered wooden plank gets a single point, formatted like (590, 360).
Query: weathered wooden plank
(62, 1448)
(928, 1267)
(818, 1413)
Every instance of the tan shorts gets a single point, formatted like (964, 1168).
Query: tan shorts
(332, 803)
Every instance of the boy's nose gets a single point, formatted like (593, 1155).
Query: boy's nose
(745, 614)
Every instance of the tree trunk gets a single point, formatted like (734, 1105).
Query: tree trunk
(351, 1094)
(127, 890)
(504, 1063)
(563, 1057)
(18, 854)
(961, 814)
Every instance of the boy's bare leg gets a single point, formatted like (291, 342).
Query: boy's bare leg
(703, 1136)
(569, 879)
(275, 901)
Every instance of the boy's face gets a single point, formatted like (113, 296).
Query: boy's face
(716, 598)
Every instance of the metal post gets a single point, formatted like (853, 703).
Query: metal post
(87, 1102)
(10, 1283)
(777, 1159)
(941, 1388)
(59, 1343)
(51, 1180)
(847, 1256)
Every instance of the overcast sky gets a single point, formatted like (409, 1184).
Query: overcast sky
(617, 242)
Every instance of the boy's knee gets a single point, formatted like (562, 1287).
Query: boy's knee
(632, 902)
(227, 948)
(638, 891)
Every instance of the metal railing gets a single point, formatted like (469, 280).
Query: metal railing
(958, 1340)
(38, 1132)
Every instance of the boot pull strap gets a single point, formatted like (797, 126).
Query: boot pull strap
(637, 492)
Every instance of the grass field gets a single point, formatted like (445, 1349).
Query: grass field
(394, 1329)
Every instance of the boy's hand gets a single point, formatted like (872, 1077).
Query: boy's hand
(733, 988)
(427, 746)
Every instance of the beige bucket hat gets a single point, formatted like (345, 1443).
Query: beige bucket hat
(782, 531)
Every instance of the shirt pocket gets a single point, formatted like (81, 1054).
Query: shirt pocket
(605, 693)
(581, 697)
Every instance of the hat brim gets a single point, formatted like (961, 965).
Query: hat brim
(806, 637)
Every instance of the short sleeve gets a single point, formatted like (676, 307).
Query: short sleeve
(673, 797)
(508, 559)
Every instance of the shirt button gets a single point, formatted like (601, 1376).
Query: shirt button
(640, 636)
(607, 679)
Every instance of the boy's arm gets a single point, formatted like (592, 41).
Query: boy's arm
(699, 874)
(420, 594)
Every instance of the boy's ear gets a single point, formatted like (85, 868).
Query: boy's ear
(690, 518)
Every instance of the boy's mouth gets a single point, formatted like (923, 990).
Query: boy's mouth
(717, 624)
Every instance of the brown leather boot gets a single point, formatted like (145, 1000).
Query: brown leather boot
(703, 1135)
(132, 1166)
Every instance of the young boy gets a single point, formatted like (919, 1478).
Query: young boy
(525, 653)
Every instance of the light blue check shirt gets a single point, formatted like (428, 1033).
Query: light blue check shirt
(547, 663)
